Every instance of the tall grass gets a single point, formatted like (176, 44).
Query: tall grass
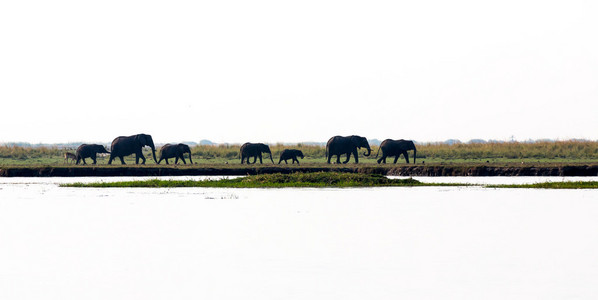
(18, 152)
(574, 150)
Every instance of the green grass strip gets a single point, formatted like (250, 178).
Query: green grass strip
(319, 179)
(551, 185)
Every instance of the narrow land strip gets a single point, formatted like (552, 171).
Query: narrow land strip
(319, 180)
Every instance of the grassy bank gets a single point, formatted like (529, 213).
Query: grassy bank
(320, 179)
(539, 152)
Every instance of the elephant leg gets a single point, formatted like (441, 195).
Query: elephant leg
(138, 156)
(396, 158)
(83, 158)
(406, 156)
(348, 158)
(166, 159)
(183, 159)
(260, 156)
(381, 159)
(110, 160)
(94, 158)
(122, 160)
(78, 160)
(176, 160)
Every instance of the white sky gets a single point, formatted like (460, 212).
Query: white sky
(291, 71)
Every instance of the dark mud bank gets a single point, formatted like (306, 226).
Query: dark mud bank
(438, 170)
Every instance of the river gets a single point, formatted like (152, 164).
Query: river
(351, 243)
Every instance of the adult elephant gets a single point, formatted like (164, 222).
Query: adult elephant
(175, 151)
(254, 150)
(339, 145)
(127, 145)
(396, 148)
(89, 151)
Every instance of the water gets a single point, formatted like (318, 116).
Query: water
(356, 243)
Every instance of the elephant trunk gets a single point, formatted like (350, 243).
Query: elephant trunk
(369, 152)
(154, 154)
(270, 152)
(414, 154)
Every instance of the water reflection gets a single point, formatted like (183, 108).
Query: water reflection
(297, 243)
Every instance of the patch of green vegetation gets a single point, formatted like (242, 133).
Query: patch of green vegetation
(318, 179)
(551, 185)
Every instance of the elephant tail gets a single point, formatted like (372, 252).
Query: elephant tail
(377, 152)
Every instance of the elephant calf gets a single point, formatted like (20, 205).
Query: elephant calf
(89, 150)
(290, 154)
(175, 151)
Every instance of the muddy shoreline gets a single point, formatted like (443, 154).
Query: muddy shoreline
(420, 170)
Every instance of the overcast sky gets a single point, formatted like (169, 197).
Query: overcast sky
(291, 71)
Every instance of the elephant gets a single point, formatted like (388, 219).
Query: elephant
(396, 148)
(69, 155)
(127, 145)
(89, 150)
(339, 145)
(290, 154)
(254, 150)
(169, 151)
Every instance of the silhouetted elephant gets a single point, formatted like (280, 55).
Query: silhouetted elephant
(254, 150)
(127, 145)
(339, 145)
(396, 148)
(290, 154)
(171, 150)
(89, 150)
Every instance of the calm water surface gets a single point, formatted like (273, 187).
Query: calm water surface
(353, 243)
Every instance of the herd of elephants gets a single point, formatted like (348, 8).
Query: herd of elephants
(338, 145)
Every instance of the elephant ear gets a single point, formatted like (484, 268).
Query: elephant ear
(184, 148)
(143, 139)
(139, 139)
(356, 141)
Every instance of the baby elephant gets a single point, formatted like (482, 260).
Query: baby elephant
(175, 151)
(89, 150)
(290, 154)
